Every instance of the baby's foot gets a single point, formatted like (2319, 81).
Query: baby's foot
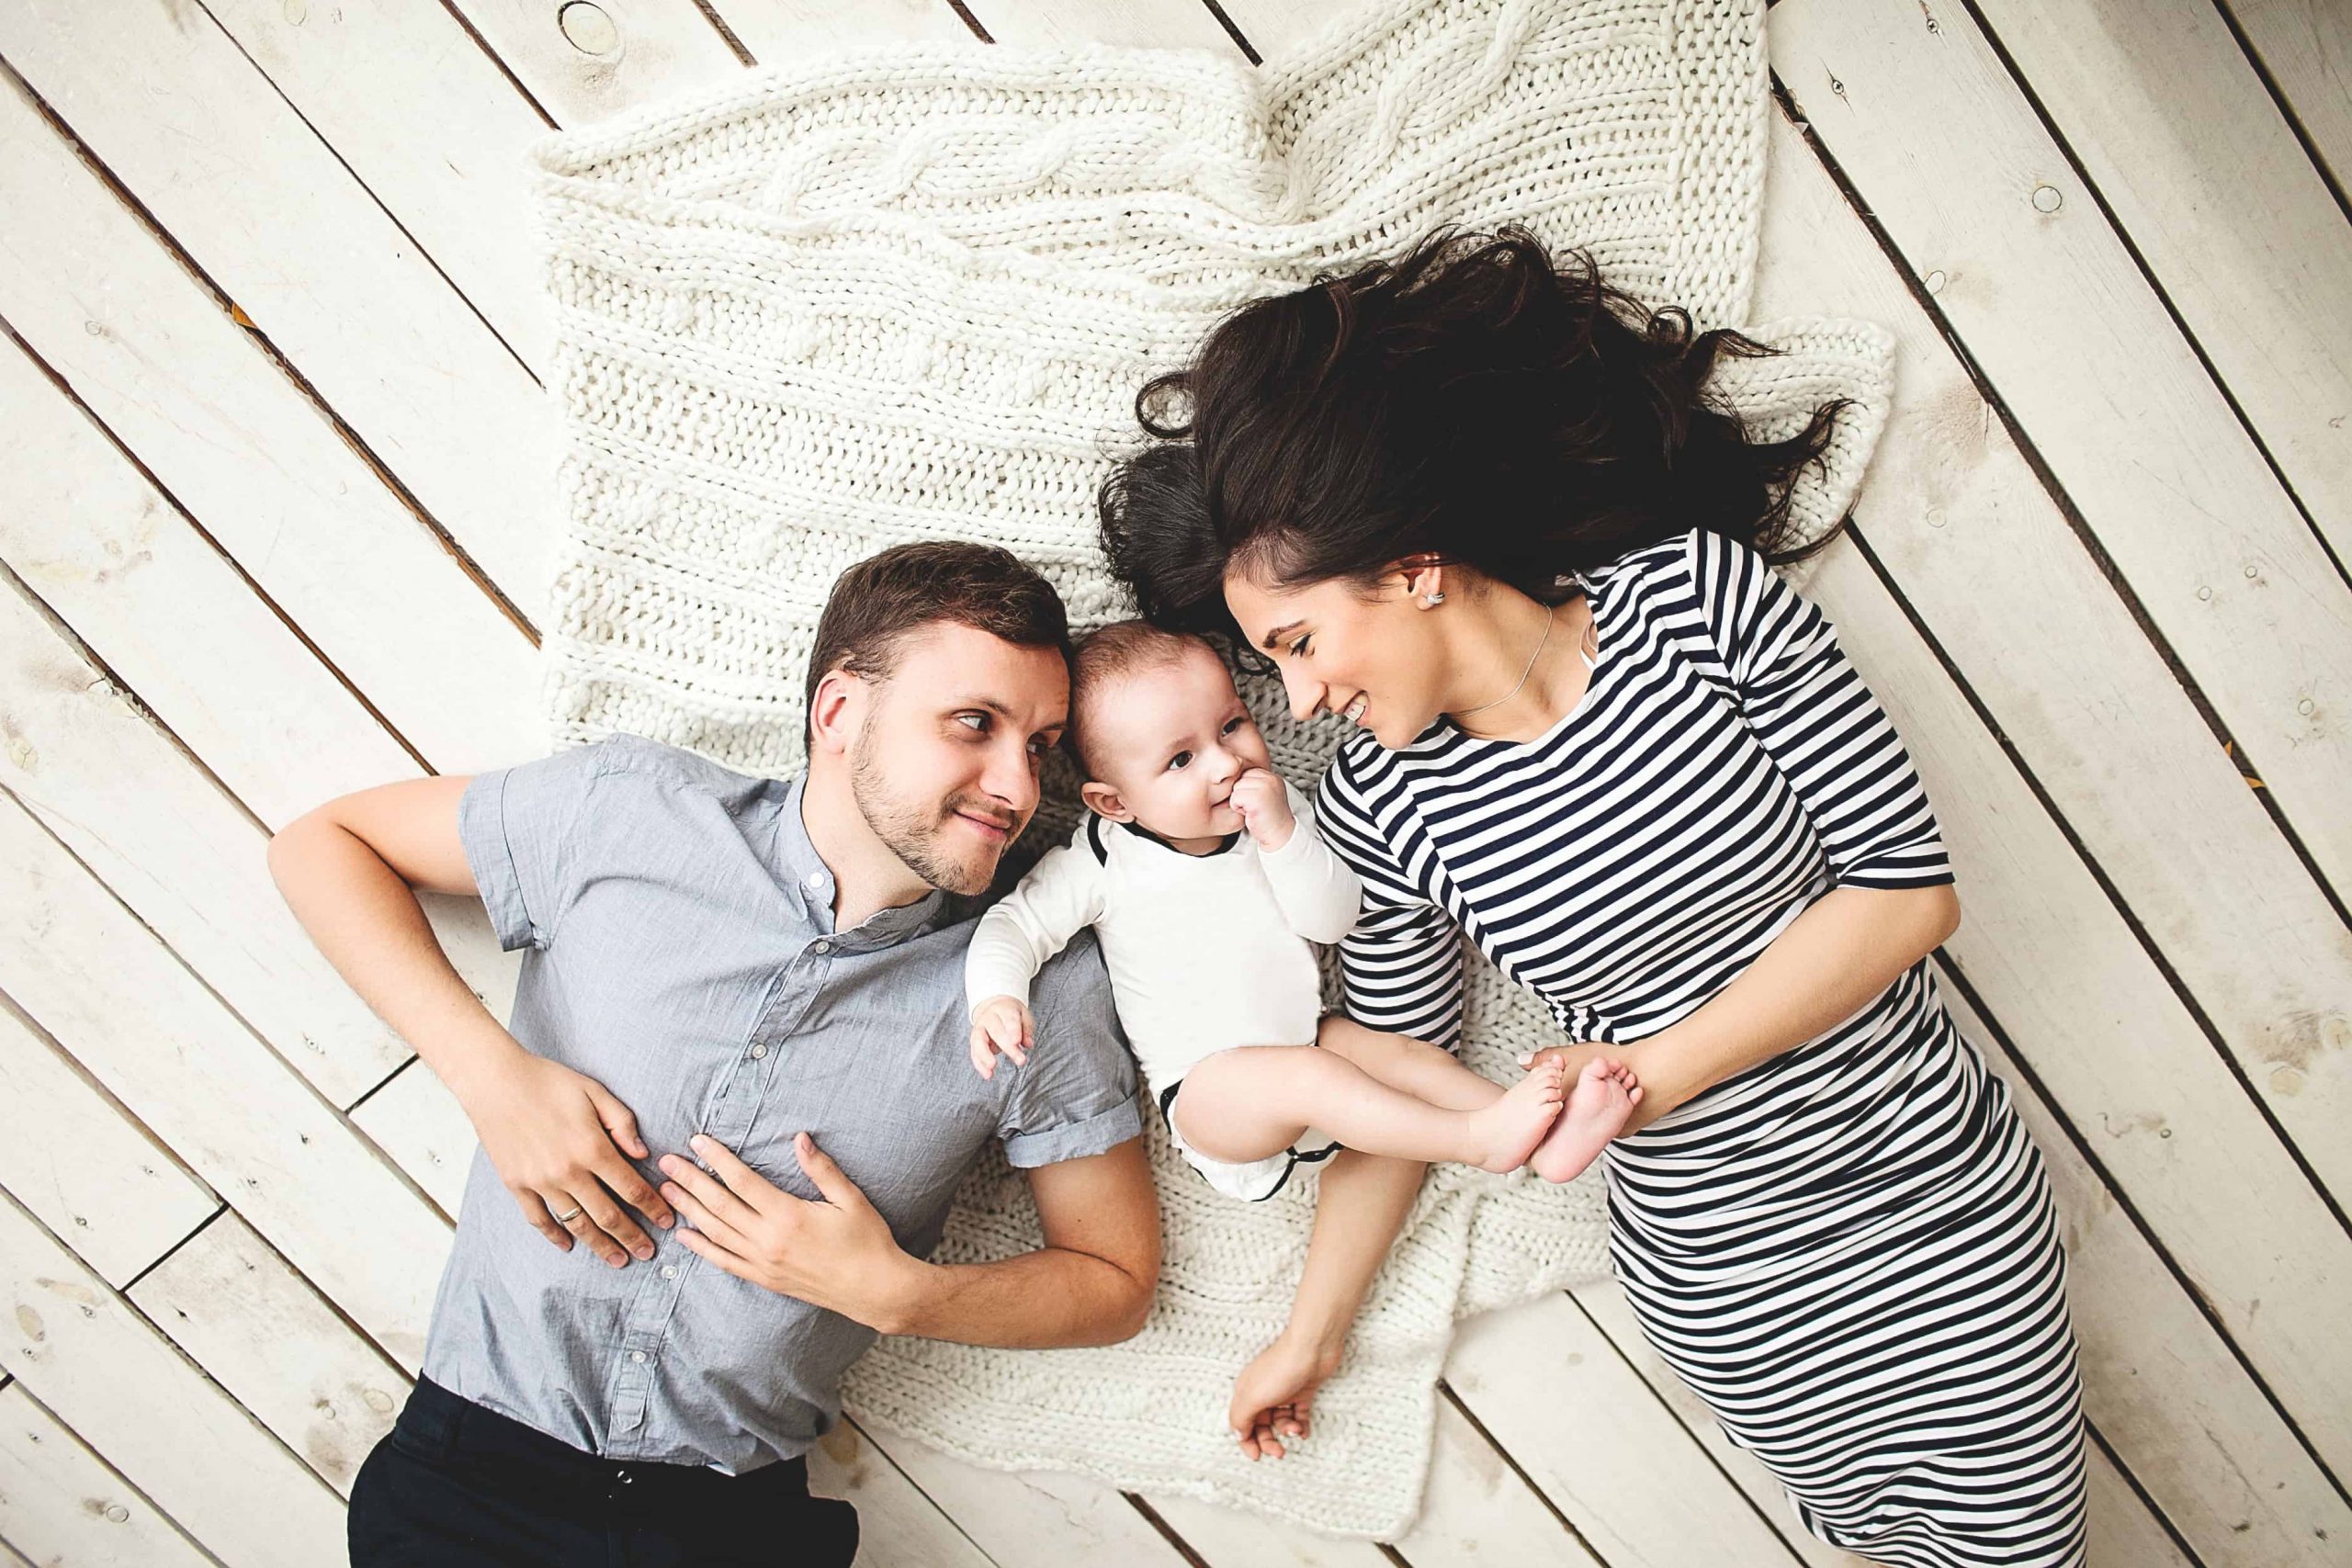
(1597, 1111)
(1509, 1130)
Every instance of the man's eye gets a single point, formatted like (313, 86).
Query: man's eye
(977, 720)
(1180, 760)
(1039, 746)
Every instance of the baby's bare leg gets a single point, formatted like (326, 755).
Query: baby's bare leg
(1420, 1068)
(1253, 1102)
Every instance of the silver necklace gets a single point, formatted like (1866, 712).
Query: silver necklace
(1551, 613)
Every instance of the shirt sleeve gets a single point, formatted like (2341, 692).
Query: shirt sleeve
(1316, 892)
(1817, 719)
(521, 830)
(1400, 966)
(1060, 896)
(1075, 1096)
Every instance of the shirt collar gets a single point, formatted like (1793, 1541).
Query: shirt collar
(812, 883)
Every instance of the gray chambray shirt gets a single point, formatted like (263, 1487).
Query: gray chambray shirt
(680, 950)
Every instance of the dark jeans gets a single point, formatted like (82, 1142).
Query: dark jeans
(455, 1485)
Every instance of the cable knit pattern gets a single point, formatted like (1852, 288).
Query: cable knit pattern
(891, 294)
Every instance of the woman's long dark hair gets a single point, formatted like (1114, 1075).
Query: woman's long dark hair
(1474, 401)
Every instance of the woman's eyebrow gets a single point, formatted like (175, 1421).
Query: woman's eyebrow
(1279, 633)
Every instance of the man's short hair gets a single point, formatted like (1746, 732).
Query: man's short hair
(1109, 654)
(884, 599)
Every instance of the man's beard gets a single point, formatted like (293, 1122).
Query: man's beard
(916, 833)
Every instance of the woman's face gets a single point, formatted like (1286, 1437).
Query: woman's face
(1369, 655)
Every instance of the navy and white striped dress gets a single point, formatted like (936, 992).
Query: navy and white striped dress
(1850, 1250)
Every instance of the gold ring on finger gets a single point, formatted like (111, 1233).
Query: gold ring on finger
(567, 1217)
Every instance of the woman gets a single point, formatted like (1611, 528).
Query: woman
(1422, 490)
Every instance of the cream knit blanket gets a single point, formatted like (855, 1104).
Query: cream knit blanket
(907, 293)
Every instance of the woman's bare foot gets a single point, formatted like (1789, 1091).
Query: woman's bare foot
(1508, 1131)
(1597, 1111)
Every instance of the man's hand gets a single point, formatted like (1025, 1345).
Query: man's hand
(1274, 1396)
(1264, 806)
(1002, 1024)
(556, 1138)
(837, 1254)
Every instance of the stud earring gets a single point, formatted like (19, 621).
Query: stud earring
(1431, 601)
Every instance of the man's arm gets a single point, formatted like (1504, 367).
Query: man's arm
(1092, 1284)
(350, 871)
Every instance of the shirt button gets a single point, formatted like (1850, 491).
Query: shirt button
(820, 947)
(637, 1356)
(758, 1052)
(816, 879)
(669, 1270)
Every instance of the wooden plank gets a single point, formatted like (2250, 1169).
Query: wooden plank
(1985, 558)
(895, 1522)
(83, 968)
(1598, 1442)
(182, 855)
(2167, 117)
(2306, 47)
(66, 1505)
(1041, 1519)
(234, 685)
(105, 1371)
(1145, 24)
(1477, 1508)
(627, 52)
(243, 450)
(1945, 152)
(416, 1119)
(166, 100)
(85, 1169)
(203, 652)
(358, 76)
(2159, 1384)
(779, 32)
(1226, 1536)
(259, 1330)
(2119, 1056)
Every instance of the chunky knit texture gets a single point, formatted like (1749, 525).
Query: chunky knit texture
(909, 293)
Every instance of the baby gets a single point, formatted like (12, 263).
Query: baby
(1204, 880)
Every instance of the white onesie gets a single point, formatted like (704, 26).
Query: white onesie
(1205, 952)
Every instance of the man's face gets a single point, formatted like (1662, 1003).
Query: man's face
(944, 766)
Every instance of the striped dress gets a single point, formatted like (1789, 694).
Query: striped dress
(1850, 1250)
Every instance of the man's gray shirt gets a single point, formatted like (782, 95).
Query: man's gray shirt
(680, 949)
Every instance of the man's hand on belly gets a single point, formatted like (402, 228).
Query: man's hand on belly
(837, 1253)
(556, 1138)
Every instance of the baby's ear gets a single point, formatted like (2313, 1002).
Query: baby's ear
(1104, 801)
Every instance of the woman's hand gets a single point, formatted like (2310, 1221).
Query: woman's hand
(1274, 1396)
(556, 1138)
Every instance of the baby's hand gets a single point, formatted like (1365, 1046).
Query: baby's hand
(1002, 1024)
(1264, 806)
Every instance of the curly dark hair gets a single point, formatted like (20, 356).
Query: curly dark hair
(1473, 402)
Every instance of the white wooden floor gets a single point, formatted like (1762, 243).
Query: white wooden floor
(271, 527)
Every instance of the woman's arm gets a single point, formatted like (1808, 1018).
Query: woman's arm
(1830, 962)
(1359, 1208)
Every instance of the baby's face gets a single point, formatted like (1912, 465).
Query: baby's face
(1171, 739)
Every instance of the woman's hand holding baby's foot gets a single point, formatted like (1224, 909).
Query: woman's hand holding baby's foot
(1510, 1130)
(1598, 1110)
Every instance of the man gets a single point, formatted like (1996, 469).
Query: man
(740, 1004)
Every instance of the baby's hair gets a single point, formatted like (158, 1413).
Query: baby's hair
(1110, 654)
